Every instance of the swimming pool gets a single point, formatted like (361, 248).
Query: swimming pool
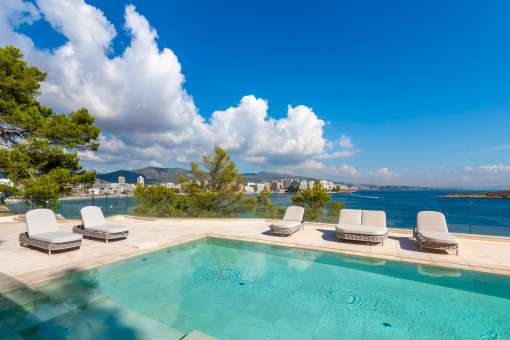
(240, 290)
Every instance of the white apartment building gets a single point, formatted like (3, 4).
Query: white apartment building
(327, 184)
(303, 185)
(248, 189)
(139, 180)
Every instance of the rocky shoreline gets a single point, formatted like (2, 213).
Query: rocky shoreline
(490, 194)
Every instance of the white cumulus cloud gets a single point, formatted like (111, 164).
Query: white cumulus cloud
(489, 168)
(138, 97)
(384, 174)
(345, 142)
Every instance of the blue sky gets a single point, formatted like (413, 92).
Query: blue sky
(419, 90)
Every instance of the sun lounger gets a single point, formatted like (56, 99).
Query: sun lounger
(362, 225)
(432, 232)
(292, 222)
(94, 225)
(43, 232)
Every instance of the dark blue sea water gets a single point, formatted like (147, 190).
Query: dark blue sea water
(464, 215)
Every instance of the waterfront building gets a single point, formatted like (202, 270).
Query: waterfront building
(260, 186)
(99, 185)
(168, 185)
(267, 185)
(139, 180)
(303, 185)
(286, 183)
(275, 186)
(295, 183)
(249, 189)
(122, 181)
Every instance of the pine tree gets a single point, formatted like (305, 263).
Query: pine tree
(38, 147)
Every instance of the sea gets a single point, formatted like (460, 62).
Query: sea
(482, 216)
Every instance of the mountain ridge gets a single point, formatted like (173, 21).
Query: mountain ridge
(155, 175)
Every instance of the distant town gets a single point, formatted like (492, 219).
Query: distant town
(275, 186)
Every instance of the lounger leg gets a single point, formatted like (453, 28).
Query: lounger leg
(457, 252)
(49, 252)
(106, 240)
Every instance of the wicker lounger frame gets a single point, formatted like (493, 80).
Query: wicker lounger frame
(25, 239)
(286, 231)
(434, 245)
(79, 229)
(340, 235)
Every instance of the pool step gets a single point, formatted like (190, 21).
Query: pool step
(51, 302)
(13, 302)
(197, 335)
(106, 321)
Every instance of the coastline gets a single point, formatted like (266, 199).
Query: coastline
(489, 194)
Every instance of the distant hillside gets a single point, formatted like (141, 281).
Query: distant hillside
(150, 175)
(165, 175)
(131, 176)
(170, 175)
(260, 177)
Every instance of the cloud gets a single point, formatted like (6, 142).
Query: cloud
(489, 168)
(339, 154)
(384, 174)
(345, 142)
(494, 148)
(321, 170)
(138, 97)
(465, 178)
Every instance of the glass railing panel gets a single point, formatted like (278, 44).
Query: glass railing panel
(463, 215)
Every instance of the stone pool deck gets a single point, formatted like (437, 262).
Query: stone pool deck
(21, 266)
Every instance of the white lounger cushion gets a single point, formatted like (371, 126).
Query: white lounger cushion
(350, 216)
(438, 236)
(294, 213)
(93, 219)
(108, 228)
(285, 224)
(57, 237)
(365, 222)
(92, 216)
(374, 218)
(41, 221)
(431, 225)
(431, 221)
(361, 229)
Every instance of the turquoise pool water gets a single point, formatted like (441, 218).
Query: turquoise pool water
(240, 290)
